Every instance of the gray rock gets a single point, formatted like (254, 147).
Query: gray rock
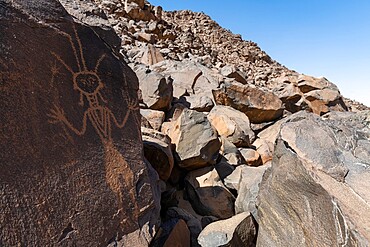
(155, 118)
(220, 233)
(200, 103)
(316, 189)
(208, 195)
(189, 77)
(246, 180)
(196, 141)
(156, 89)
(223, 168)
(231, 153)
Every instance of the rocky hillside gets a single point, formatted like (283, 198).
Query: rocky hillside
(234, 149)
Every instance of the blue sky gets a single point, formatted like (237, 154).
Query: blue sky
(328, 38)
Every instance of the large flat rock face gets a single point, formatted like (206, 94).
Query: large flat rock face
(317, 191)
(71, 162)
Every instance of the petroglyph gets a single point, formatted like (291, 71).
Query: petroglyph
(87, 82)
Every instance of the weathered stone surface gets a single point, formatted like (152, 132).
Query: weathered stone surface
(172, 232)
(179, 236)
(246, 180)
(231, 153)
(151, 55)
(271, 133)
(308, 83)
(232, 124)
(156, 89)
(72, 170)
(223, 168)
(251, 156)
(220, 233)
(208, 195)
(192, 222)
(189, 77)
(290, 95)
(245, 233)
(325, 100)
(136, 10)
(157, 150)
(258, 105)
(184, 76)
(155, 118)
(265, 149)
(200, 103)
(231, 72)
(196, 141)
(315, 190)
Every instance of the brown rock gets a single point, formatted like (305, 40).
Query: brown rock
(251, 157)
(151, 55)
(72, 170)
(325, 100)
(231, 72)
(179, 236)
(309, 83)
(290, 95)
(157, 150)
(258, 105)
(265, 149)
(232, 124)
(155, 118)
(208, 195)
(245, 233)
(194, 225)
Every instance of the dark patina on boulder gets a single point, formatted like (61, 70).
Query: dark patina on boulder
(71, 165)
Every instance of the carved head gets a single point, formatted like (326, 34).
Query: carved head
(87, 82)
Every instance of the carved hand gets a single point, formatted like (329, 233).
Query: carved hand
(132, 104)
(57, 115)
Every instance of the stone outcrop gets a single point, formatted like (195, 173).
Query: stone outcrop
(230, 142)
(208, 195)
(316, 189)
(220, 233)
(157, 150)
(156, 89)
(258, 105)
(195, 139)
(232, 124)
(72, 170)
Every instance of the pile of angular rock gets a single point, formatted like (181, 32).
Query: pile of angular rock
(247, 152)
(221, 119)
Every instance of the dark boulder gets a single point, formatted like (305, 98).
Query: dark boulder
(72, 170)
